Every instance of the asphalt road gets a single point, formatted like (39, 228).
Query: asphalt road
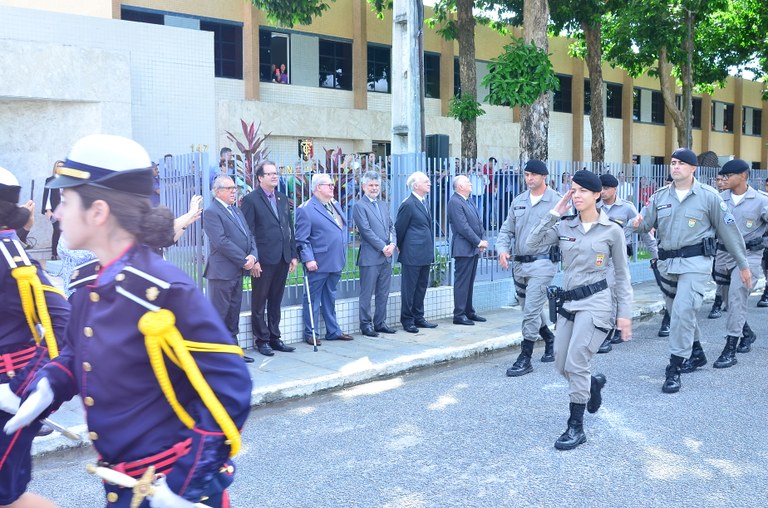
(465, 435)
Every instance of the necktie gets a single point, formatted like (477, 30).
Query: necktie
(237, 217)
(378, 210)
(271, 199)
(332, 211)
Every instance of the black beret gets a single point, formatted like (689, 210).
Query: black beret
(609, 180)
(686, 155)
(588, 180)
(734, 166)
(536, 166)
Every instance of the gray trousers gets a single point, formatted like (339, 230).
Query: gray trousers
(684, 328)
(374, 280)
(533, 304)
(575, 343)
(737, 294)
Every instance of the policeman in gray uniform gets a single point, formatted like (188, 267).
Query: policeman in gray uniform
(750, 209)
(622, 212)
(688, 215)
(593, 247)
(533, 266)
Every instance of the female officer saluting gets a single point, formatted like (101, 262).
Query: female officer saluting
(162, 382)
(32, 315)
(587, 241)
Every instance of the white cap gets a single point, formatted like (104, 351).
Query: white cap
(8, 178)
(9, 186)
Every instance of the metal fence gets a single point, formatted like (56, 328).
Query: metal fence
(495, 184)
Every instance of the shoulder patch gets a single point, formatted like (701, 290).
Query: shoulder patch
(141, 287)
(84, 274)
(13, 253)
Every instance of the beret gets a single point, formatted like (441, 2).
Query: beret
(588, 180)
(686, 155)
(734, 166)
(609, 180)
(536, 166)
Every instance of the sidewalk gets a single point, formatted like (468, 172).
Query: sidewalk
(339, 364)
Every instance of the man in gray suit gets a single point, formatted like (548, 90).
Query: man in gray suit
(377, 244)
(468, 242)
(232, 253)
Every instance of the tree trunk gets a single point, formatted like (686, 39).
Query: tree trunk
(467, 73)
(534, 119)
(667, 81)
(687, 78)
(596, 114)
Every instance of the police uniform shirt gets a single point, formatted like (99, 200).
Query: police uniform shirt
(623, 212)
(751, 217)
(701, 214)
(523, 217)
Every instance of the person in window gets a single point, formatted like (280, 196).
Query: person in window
(283, 75)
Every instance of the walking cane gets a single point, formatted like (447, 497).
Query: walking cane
(309, 300)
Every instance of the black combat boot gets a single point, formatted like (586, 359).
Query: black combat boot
(616, 337)
(697, 359)
(664, 329)
(522, 365)
(717, 308)
(764, 299)
(574, 434)
(549, 344)
(747, 338)
(595, 397)
(606, 347)
(728, 356)
(672, 381)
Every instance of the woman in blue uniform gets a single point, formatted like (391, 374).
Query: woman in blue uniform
(162, 382)
(587, 240)
(28, 305)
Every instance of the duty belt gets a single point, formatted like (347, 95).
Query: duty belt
(162, 461)
(557, 297)
(754, 244)
(530, 259)
(10, 362)
(683, 252)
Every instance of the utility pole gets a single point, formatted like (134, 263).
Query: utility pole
(407, 77)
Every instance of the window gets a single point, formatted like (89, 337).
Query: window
(647, 106)
(722, 116)
(227, 48)
(752, 121)
(273, 51)
(128, 14)
(587, 98)
(657, 107)
(561, 99)
(613, 93)
(431, 75)
(379, 68)
(636, 104)
(456, 78)
(335, 64)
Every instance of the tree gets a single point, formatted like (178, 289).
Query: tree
(292, 12)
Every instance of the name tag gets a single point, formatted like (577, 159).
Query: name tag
(662, 207)
(568, 238)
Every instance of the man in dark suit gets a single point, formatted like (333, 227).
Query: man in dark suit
(468, 242)
(232, 253)
(321, 233)
(377, 244)
(51, 199)
(416, 243)
(266, 212)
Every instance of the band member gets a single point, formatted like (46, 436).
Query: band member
(162, 381)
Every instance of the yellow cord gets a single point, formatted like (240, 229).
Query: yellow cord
(33, 299)
(161, 335)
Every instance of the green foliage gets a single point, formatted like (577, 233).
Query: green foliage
(440, 269)
(465, 108)
(520, 75)
(292, 12)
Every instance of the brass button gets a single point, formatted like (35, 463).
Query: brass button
(87, 367)
(112, 497)
(88, 401)
(94, 296)
(120, 277)
(93, 436)
(88, 331)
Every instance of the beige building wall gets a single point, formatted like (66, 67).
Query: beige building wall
(97, 8)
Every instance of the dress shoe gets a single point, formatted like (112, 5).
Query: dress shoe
(479, 319)
(461, 320)
(385, 329)
(369, 332)
(44, 431)
(423, 323)
(595, 396)
(616, 337)
(410, 328)
(310, 341)
(248, 359)
(265, 349)
(343, 336)
(605, 347)
(279, 345)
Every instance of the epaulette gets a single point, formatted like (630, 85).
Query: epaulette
(84, 274)
(13, 253)
(141, 287)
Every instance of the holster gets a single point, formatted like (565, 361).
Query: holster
(554, 295)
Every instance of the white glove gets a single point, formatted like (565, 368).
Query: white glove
(163, 497)
(9, 401)
(31, 409)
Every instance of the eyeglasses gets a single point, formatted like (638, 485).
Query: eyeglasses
(228, 188)
(269, 174)
(329, 184)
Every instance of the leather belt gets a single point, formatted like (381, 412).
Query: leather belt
(683, 252)
(530, 259)
(582, 292)
(754, 244)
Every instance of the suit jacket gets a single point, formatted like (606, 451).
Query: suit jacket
(229, 245)
(54, 194)
(273, 234)
(376, 231)
(466, 226)
(319, 238)
(414, 233)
